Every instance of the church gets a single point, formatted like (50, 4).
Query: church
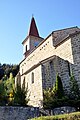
(45, 57)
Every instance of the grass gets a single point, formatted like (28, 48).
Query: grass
(70, 116)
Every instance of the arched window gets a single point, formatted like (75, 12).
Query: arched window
(27, 85)
(32, 77)
(51, 65)
(23, 83)
(22, 71)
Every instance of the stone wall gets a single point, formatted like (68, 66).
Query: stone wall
(38, 55)
(63, 110)
(57, 111)
(68, 50)
(18, 113)
(26, 113)
(49, 73)
(34, 88)
(51, 67)
(75, 42)
(42, 52)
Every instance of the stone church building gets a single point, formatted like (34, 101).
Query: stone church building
(44, 58)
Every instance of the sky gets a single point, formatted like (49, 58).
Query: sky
(15, 17)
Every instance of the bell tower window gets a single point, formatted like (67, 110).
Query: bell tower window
(36, 43)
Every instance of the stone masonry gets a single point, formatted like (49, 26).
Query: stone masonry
(18, 113)
(58, 53)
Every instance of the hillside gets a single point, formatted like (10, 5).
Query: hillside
(6, 69)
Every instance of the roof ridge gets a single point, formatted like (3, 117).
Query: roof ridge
(65, 29)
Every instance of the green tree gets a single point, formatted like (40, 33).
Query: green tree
(6, 69)
(59, 92)
(74, 88)
(2, 94)
(52, 96)
(9, 84)
(21, 96)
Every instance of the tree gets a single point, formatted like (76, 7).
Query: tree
(74, 88)
(2, 94)
(9, 84)
(21, 96)
(9, 87)
(6, 69)
(52, 96)
(59, 92)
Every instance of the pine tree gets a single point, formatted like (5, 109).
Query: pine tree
(59, 87)
(74, 88)
(9, 84)
(21, 96)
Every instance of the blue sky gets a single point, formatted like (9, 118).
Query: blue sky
(15, 17)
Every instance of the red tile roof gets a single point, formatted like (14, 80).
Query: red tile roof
(33, 28)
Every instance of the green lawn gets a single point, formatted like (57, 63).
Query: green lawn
(71, 116)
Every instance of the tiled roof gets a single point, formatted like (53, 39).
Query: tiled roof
(60, 35)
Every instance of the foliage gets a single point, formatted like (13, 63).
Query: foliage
(9, 84)
(55, 102)
(15, 96)
(74, 88)
(59, 87)
(6, 69)
(2, 94)
(21, 96)
(9, 88)
(1, 73)
(8, 93)
(54, 97)
(71, 116)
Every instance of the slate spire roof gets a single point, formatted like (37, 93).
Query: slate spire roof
(33, 28)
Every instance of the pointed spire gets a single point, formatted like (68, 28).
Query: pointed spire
(33, 28)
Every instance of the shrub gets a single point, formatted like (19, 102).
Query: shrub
(59, 87)
(74, 88)
(54, 97)
(3, 98)
(20, 96)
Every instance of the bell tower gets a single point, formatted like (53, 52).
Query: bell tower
(32, 40)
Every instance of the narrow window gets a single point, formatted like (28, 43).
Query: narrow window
(51, 65)
(32, 77)
(69, 68)
(23, 83)
(22, 71)
(27, 85)
(26, 48)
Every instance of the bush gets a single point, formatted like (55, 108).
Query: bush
(53, 96)
(74, 88)
(59, 87)
(20, 96)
